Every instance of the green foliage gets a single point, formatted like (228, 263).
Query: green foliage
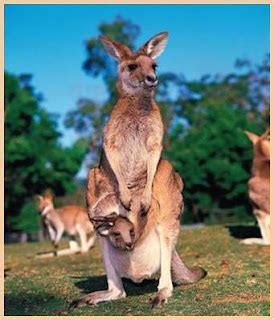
(34, 158)
(213, 156)
(208, 145)
(98, 62)
(28, 219)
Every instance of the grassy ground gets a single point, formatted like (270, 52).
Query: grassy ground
(237, 281)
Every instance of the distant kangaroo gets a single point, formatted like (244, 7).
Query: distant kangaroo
(132, 137)
(72, 220)
(259, 186)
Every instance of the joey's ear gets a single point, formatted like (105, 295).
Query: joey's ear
(155, 45)
(252, 136)
(104, 224)
(117, 50)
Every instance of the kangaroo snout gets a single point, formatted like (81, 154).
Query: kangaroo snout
(151, 80)
(129, 245)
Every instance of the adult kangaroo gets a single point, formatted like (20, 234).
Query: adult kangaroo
(259, 186)
(72, 220)
(132, 137)
(131, 173)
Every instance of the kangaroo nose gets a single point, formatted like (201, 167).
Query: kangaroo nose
(129, 245)
(151, 79)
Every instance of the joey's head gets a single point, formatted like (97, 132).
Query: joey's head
(261, 145)
(45, 201)
(137, 71)
(118, 229)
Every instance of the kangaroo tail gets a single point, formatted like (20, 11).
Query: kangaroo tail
(181, 274)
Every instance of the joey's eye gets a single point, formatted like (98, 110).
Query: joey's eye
(131, 231)
(132, 66)
(116, 234)
(154, 66)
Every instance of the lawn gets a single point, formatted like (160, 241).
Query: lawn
(237, 282)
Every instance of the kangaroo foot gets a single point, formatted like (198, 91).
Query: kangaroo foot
(160, 298)
(95, 297)
(259, 241)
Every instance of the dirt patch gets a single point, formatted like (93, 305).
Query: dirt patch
(240, 299)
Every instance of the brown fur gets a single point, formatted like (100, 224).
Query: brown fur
(118, 229)
(132, 138)
(259, 184)
(72, 220)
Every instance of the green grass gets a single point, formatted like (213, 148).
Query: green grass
(237, 281)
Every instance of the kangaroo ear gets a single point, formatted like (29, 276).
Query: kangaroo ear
(38, 197)
(155, 45)
(117, 50)
(252, 136)
(48, 194)
(265, 148)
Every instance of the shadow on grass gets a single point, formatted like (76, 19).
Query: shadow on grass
(97, 283)
(242, 232)
(33, 304)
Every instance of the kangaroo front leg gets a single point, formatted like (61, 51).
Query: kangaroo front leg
(154, 153)
(165, 286)
(264, 224)
(115, 287)
(113, 157)
(91, 241)
(51, 232)
(83, 238)
(59, 233)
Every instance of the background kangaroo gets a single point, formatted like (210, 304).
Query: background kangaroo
(157, 239)
(72, 220)
(259, 185)
(132, 138)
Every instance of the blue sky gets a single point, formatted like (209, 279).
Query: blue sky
(48, 42)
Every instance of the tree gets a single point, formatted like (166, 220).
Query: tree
(208, 145)
(34, 158)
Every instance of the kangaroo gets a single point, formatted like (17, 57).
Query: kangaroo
(132, 137)
(119, 230)
(73, 220)
(259, 186)
(153, 251)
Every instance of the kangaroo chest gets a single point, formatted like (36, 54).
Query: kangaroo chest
(133, 135)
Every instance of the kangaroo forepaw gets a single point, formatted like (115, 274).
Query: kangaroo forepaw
(126, 199)
(145, 204)
(143, 211)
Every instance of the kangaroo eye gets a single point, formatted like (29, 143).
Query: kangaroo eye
(154, 66)
(131, 232)
(132, 66)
